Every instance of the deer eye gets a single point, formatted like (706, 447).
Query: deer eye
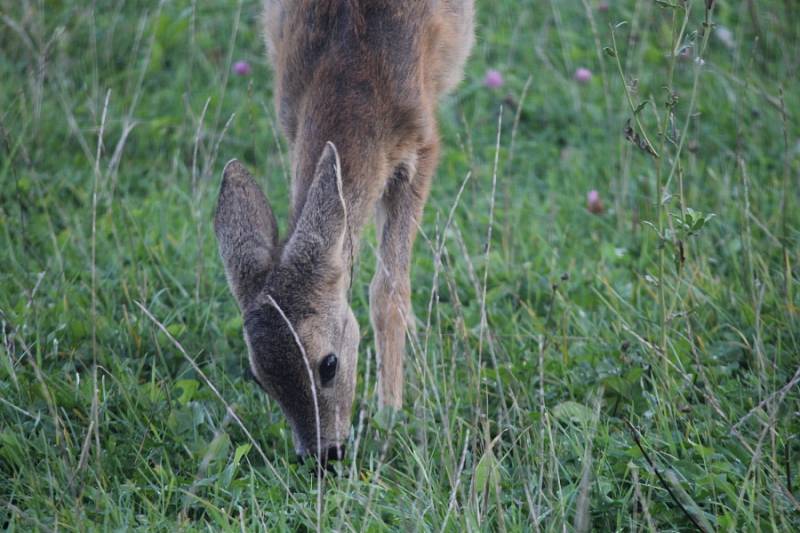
(327, 368)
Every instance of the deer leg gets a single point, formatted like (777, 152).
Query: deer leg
(398, 215)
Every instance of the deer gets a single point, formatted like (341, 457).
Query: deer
(356, 89)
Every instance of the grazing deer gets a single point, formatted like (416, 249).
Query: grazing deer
(356, 89)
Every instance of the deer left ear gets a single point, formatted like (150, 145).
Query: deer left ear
(318, 237)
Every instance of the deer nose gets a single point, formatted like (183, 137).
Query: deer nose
(335, 453)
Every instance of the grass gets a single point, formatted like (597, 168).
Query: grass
(630, 370)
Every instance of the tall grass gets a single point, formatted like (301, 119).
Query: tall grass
(636, 369)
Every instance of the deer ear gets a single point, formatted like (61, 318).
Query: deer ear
(318, 236)
(247, 234)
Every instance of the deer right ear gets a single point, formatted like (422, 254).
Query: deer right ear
(246, 232)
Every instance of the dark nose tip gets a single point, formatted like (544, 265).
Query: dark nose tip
(324, 460)
(335, 453)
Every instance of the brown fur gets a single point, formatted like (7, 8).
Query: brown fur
(364, 77)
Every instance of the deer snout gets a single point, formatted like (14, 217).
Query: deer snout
(336, 453)
(327, 455)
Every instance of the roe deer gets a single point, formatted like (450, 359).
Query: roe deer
(356, 88)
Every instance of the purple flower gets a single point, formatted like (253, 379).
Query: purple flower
(602, 7)
(593, 202)
(493, 79)
(583, 75)
(242, 68)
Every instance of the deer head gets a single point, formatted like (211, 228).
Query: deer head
(301, 334)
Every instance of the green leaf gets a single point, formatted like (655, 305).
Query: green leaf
(688, 503)
(176, 330)
(12, 448)
(241, 451)
(570, 411)
(486, 467)
(698, 225)
(218, 447)
(188, 388)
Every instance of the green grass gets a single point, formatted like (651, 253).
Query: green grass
(536, 349)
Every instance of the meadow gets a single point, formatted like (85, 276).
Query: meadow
(605, 282)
